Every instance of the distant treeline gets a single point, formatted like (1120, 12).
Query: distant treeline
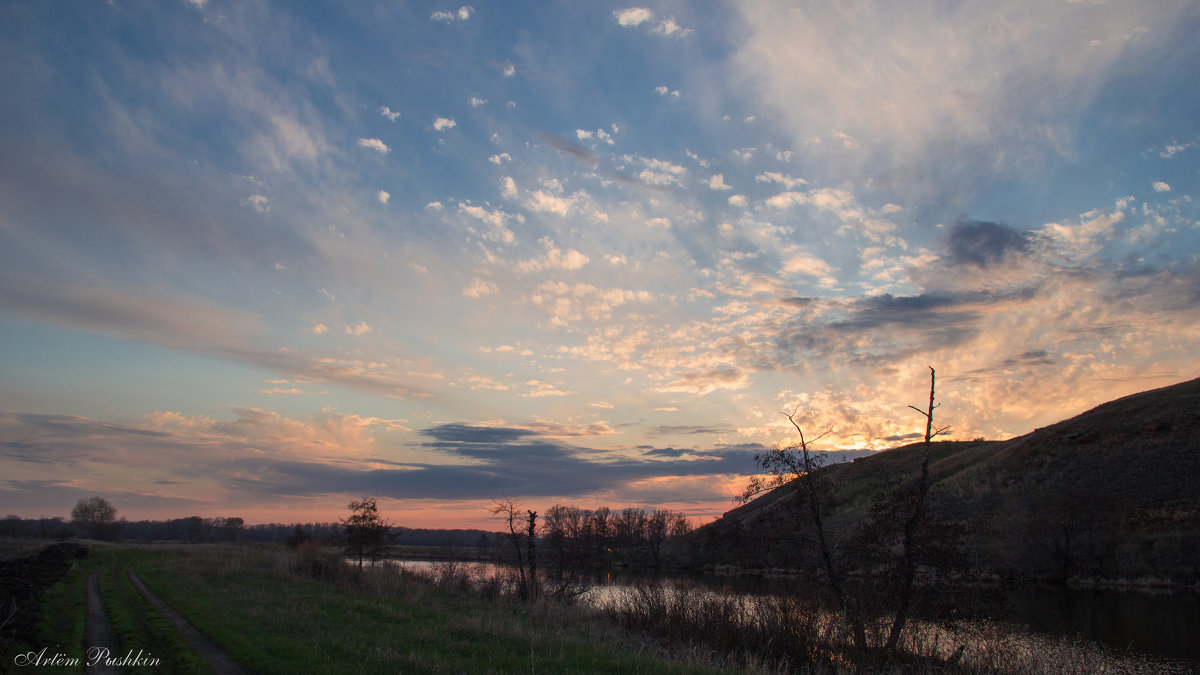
(569, 538)
(576, 539)
(197, 529)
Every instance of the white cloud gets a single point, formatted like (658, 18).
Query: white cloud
(477, 101)
(784, 180)
(1160, 186)
(320, 329)
(634, 16)
(462, 14)
(717, 182)
(669, 27)
(258, 202)
(539, 389)
(658, 222)
(546, 202)
(434, 206)
(555, 258)
(508, 187)
(916, 81)
(497, 219)
(500, 158)
(388, 113)
(373, 144)
(737, 200)
(360, 328)
(665, 91)
(479, 288)
(661, 172)
(785, 200)
(509, 71)
(443, 123)
(383, 196)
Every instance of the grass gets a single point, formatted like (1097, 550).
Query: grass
(269, 615)
(277, 611)
(136, 625)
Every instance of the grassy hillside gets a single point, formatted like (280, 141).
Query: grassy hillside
(1112, 493)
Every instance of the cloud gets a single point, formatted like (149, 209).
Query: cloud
(633, 16)
(539, 389)
(479, 288)
(982, 244)
(320, 329)
(462, 14)
(496, 219)
(717, 182)
(567, 147)
(775, 177)
(1160, 186)
(443, 123)
(373, 144)
(893, 86)
(555, 258)
(388, 113)
(476, 101)
(360, 328)
(383, 196)
(258, 202)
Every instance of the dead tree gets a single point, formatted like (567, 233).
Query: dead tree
(796, 464)
(909, 557)
(509, 509)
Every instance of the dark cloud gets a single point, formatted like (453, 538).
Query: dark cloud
(686, 430)
(504, 461)
(667, 452)
(928, 310)
(465, 433)
(796, 301)
(567, 147)
(980, 243)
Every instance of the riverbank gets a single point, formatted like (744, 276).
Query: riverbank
(274, 610)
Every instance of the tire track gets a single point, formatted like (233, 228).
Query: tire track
(217, 659)
(97, 631)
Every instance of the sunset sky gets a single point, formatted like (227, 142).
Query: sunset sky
(258, 259)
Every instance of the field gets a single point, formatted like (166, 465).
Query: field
(266, 609)
(273, 611)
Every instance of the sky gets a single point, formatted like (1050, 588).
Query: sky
(259, 259)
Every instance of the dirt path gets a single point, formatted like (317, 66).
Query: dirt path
(98, 632)
(204, 648)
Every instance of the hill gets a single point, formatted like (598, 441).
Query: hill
(1111, 493)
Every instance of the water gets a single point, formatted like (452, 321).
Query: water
(1157, 624)
(1165, 624)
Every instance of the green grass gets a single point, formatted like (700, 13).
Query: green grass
(62, 617)
(273, 620)
(136, 625)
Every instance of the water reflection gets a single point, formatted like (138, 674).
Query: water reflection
(1154, 624)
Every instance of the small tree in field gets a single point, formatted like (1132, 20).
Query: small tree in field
(95, 518)
(365, 530)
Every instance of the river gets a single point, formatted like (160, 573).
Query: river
(1155, 624)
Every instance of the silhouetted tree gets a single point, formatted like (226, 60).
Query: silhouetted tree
(95, 518)
(365, 530)
(900, 522)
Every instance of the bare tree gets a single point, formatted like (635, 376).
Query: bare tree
(797, 464)
(910, 555)
(510, 510)
(95, 518)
